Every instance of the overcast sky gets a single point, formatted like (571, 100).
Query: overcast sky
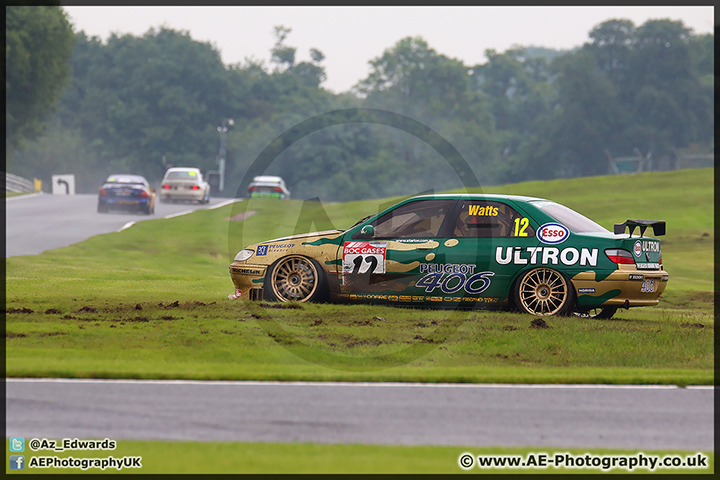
(350, 37)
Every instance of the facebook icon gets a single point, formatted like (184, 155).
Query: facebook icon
(17, 462)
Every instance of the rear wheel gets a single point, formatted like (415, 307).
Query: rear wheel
(295, 278)
(102, 208)
(544, 291)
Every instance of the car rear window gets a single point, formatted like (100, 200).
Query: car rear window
(576, 222)
(181, 176)
(125, 180)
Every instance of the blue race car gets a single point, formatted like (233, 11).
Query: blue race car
(126, 192)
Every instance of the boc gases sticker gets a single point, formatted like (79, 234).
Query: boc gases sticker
(552, 233)
(637, 248)
(364, 257)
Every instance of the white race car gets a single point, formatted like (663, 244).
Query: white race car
(184, 184)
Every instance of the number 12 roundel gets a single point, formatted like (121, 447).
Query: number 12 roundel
(364, 257)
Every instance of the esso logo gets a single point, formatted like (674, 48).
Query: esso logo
(637, 248)
(552, 233)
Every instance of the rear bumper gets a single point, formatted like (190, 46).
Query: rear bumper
(626, 287)
(126, 203)
(182, 195)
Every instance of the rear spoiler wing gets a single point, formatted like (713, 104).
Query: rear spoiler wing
(658, 226)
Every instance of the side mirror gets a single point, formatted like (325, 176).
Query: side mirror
(367, 231)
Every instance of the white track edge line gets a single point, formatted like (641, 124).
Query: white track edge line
(357, 384)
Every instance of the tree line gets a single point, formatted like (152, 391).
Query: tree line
(138, 104)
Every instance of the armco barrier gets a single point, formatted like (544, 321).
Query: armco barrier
(13, 183)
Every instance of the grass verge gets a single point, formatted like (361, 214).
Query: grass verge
(151, 302)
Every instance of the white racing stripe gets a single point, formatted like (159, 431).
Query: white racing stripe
(29, 195)
(173, 215)
(227, 202)
(221, 204)
(362, 384)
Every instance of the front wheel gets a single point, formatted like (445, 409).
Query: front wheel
(544, 291)
(295, 278)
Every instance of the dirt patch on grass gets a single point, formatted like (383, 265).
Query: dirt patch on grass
(288, 305)
(371, 342)
(241, 217)
(19, 310)
(539, 323)
(362, 322)
(137, 319)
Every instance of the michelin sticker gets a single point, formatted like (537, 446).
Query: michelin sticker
(364, 257)
(552, 233)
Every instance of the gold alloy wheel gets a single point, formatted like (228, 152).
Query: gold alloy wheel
(294, 278)
(543, 291)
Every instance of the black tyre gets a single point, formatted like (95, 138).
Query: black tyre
(600, 313)
(544, 291)
(102, 208)
(295, 278)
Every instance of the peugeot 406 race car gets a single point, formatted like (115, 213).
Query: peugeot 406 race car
(464, 250)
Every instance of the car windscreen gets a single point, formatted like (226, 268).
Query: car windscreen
(576, 222)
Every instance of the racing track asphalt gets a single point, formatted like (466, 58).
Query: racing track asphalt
(35, 223)
(585, 416)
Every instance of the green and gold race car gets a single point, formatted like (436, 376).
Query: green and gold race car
(464, 250)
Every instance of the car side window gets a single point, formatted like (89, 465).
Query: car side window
(489, 219)
(419, 219)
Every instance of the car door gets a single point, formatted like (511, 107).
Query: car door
(387, 263)
(482, 255)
